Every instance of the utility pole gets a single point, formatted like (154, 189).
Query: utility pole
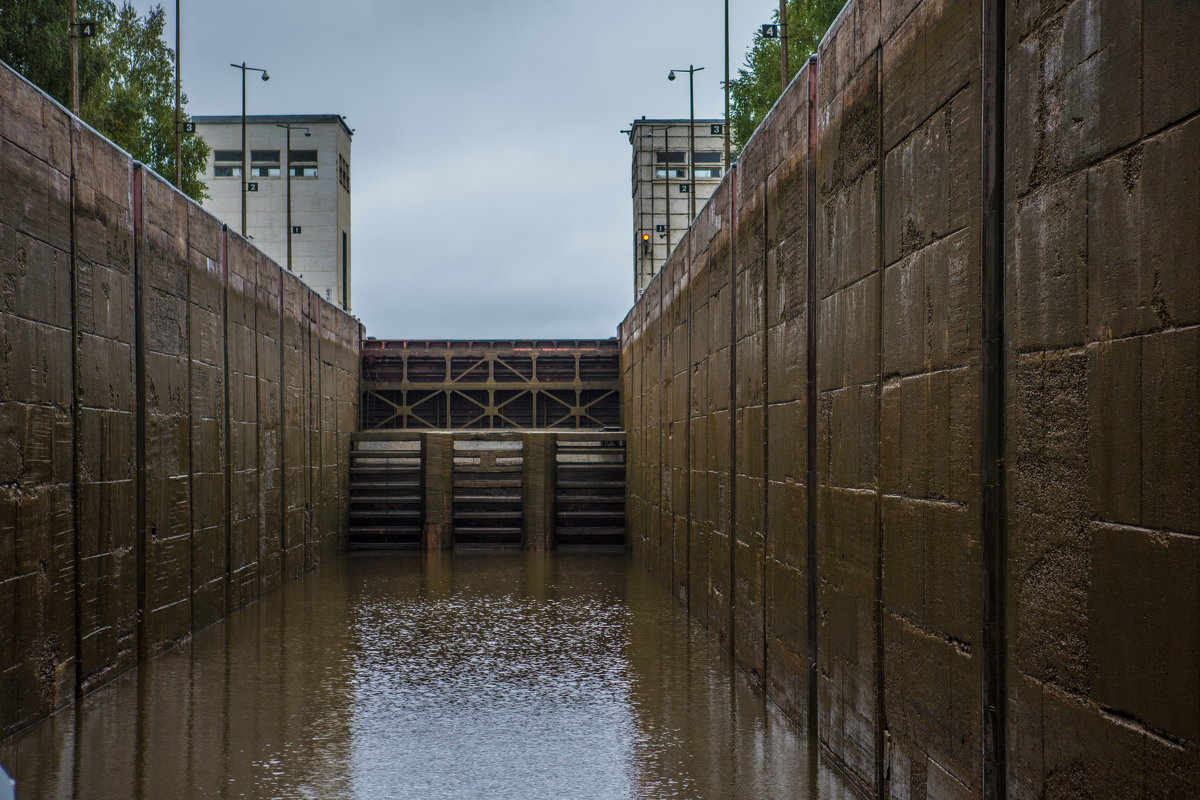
(245, 155)
(691, 166)
(288, 162)
(178, 114)
(74, 11)
(245, 166)
(784, 73)
(725, 127)
(290, 127)
(691, 178)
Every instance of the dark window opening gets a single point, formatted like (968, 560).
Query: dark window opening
(227, 155)
(227, 171)
(302, 163)
(345, 271)
(708, 158)
(343, 172)
(265, 156)
(670, 157)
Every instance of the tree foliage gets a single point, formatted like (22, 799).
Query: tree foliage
(126, 76)
(757, 85)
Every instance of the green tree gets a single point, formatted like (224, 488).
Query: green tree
(757, 85)
(35, 41)
(126, 76)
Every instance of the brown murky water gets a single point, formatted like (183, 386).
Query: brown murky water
(392, 675)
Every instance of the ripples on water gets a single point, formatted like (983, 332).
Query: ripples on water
(478, 675)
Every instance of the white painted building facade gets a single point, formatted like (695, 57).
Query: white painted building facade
(319, 169)
(665, 179)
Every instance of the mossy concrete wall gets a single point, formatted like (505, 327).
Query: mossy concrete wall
(812, 395)
(175, 413)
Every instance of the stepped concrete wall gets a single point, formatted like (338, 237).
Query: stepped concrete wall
(912, 410)
(175, 413)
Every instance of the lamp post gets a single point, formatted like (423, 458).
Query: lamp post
(290, 127)
(785, 74)
(245, 169)
(691, 71)
(178, 115)
(79, 29)
(74, 11)
(725, 129)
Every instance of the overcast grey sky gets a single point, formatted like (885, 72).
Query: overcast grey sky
(491, 185)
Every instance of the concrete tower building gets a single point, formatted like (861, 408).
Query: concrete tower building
(665, 184)
(319, 168)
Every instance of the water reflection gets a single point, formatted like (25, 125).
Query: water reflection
(476, 675)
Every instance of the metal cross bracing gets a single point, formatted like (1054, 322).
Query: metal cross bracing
(472, 384)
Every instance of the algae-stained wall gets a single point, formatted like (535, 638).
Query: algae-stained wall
(805, 386)
(173, 411)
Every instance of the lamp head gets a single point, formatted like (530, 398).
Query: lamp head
(671, 75)
(266, 77)
(307, 134)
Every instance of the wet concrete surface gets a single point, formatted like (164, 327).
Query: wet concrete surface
(402, 675)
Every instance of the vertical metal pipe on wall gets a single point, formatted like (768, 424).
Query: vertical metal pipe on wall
(882, 735)
(811, 393)
(733, 225)
(227, 449)
(76, 417)
(687, 445)
(283, 428)
(992, 404)
(139, 355)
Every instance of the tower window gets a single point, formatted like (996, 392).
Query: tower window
(228, 163)
(264, 163)
(302, 163)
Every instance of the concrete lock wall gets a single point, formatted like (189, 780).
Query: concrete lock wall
(174, 413)
(912, 410)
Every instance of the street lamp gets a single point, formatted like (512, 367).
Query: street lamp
(245, 168)
(691, 71)
(290, 127)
